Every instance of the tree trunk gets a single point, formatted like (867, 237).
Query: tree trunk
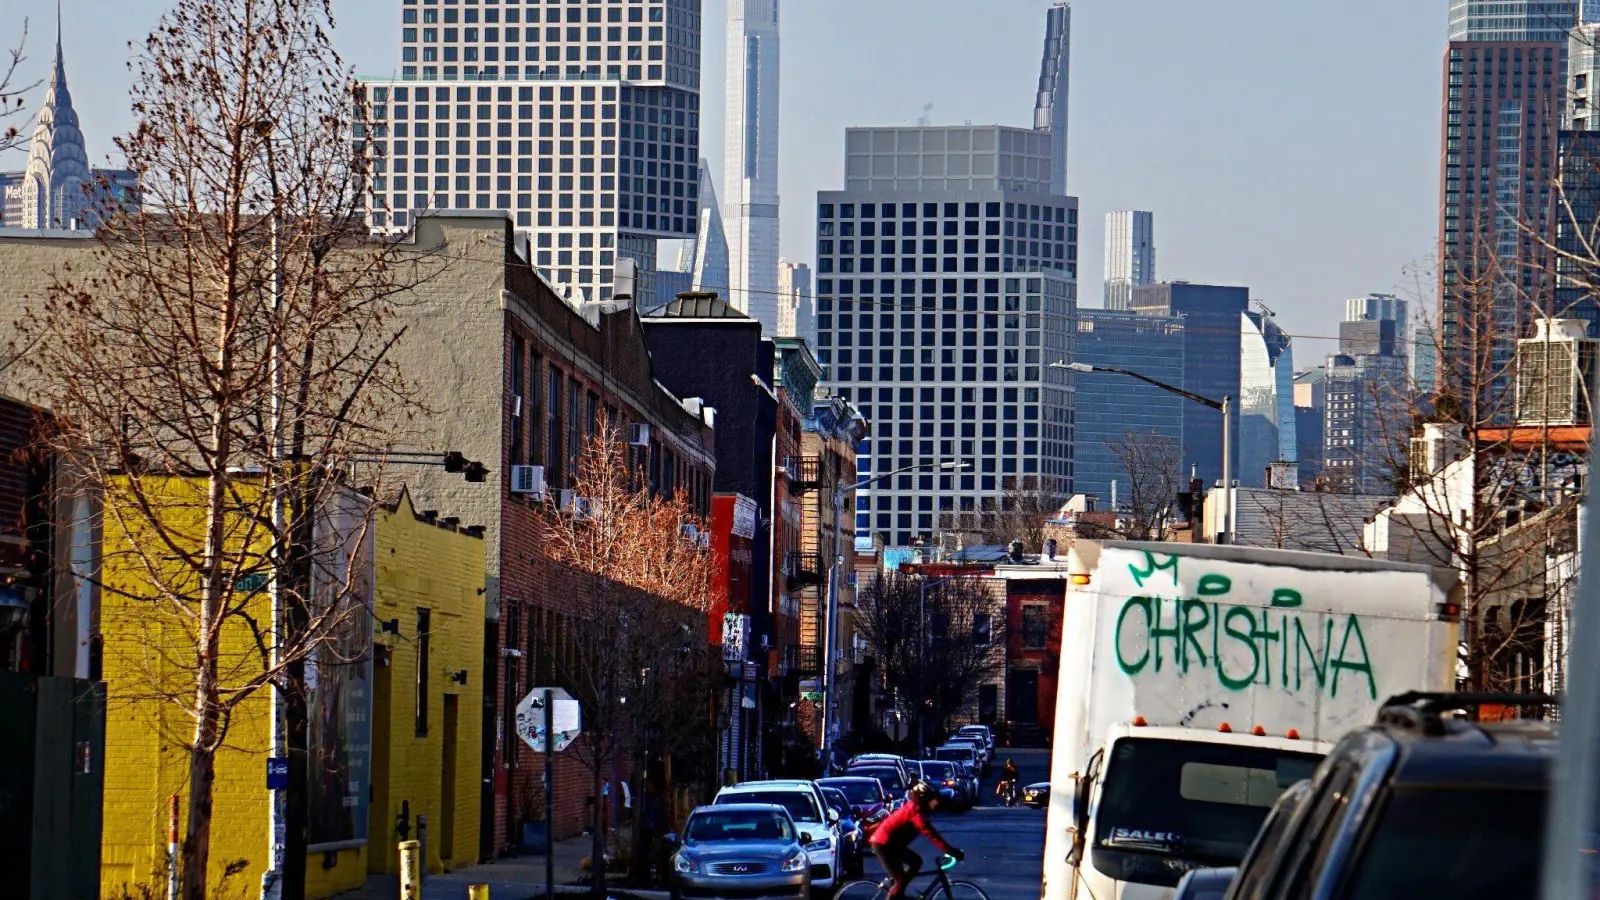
(202, 779)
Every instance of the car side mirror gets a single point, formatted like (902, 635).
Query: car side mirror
(672, 838)
(805, 837)
(833, 816)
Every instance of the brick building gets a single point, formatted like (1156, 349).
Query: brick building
(521, 376)
(1035, 599)
(704, 348)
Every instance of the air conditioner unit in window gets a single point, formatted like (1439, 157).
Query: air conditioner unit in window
(639, 435)
(516, 405)
(850, 579)
(690, 532)
(528, 480)
(567, 500)
(704, 540)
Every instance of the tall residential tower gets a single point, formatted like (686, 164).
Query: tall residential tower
(1130, 255)
(750, 174)
(580, 119)
(1050, 104)
(945, 292)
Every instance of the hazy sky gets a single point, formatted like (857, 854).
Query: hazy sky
(1285, 145)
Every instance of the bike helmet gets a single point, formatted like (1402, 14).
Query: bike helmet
(921, 792)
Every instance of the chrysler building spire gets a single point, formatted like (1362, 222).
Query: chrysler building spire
(57, 174)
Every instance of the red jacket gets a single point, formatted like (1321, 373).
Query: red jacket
(902, 825)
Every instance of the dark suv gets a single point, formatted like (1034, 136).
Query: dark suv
(1420, 804)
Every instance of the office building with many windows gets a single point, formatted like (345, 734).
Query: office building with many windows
(1130, 255)
(1267, 432)
(1211, 322)
(945, 289)
(580, 119)
(1116, 413)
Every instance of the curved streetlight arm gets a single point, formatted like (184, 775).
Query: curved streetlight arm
(1203, 401)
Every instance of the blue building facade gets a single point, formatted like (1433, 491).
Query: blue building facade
(1113, 409)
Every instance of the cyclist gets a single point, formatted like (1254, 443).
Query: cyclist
(1008, 780)
(891, 839)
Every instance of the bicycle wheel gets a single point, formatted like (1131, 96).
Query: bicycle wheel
(861, 890)
(958, 890)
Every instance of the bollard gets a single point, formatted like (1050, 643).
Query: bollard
(477, 892)
(410, 870)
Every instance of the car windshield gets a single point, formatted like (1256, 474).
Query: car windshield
(938, 770)
(836, 801)
(861, 793)
(889, 778)
(1462, 843)
(801, 805)
(1195, 801)
(738, 825)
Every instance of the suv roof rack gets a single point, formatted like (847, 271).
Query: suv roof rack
(1424, 710)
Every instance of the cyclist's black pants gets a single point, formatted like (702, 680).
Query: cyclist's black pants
(902, 864)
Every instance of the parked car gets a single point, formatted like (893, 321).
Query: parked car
(741, 850)
(948, 778)
(982, 731)
(893, 780)
(976, 743)
(948, 793)
(965, 754)
(852, 837)
(882, 759)
(1204, 884)
(811, 814)
(1036, 795)
(866, 795)
(1420, 804)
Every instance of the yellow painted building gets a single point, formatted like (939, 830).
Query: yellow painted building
(427, 732)
(416, 565)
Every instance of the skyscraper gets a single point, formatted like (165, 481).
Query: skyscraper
(1050, 104)
(796, 306)
(1211, 345)
(1113, 410)
(1502, 112)
(1366, 416)
(750, 175)
(581, 119)
(1130, 255)
(1583, 78)
(1518, 20)
(1267, 428)
(945, 291)
(57, 189)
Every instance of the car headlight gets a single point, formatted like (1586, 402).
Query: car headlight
(796, 863)
(684, 864)
(820, 846)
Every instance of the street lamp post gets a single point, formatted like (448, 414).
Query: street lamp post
(831, 616)
(1224, 406)
(922, 655)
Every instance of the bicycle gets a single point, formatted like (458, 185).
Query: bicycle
(1010, 793)
(942, 887)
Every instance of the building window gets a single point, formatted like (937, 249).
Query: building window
(982, 629)
(1033, 626)
(553, 452)
(424, 648)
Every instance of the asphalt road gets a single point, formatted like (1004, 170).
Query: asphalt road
(1004, 847)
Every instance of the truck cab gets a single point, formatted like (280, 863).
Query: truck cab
(1162, 801)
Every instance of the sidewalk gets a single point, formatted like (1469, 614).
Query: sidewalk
(516, 878)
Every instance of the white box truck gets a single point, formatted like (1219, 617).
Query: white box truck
(1200, 681)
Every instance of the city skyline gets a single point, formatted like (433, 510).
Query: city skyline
(1228, 226)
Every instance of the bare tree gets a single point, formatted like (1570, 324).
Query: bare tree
(935, 642)
(216, 364)
(1153, 463)
(1020, 514)
(11, 90)
(644, 626)
(1488, 487)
